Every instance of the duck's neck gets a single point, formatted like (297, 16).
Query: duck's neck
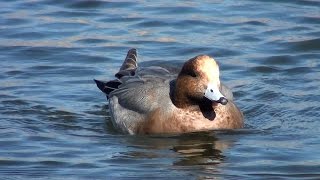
(181, 102)
(180, 97)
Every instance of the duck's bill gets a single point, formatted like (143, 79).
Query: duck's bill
(214, 94)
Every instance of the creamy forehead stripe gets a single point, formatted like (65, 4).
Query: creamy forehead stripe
(211, 68)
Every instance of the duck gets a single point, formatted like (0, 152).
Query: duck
(155, 100)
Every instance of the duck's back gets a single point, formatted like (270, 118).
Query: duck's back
(138, 96)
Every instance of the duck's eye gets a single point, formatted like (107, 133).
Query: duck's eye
(193, 74)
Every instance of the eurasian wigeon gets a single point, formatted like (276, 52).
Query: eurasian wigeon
(153, 100)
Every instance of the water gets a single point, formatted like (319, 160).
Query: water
(55, 123)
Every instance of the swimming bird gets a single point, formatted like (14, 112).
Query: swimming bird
(155, 100)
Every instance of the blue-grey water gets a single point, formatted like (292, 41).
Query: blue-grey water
(54, 122)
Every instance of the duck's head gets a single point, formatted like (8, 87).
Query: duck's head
(198, 81)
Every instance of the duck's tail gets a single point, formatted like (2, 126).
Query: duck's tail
(129, 65)
(128, 68)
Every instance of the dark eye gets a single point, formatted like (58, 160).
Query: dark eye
(192, 73)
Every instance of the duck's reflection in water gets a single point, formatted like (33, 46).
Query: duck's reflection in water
(201, 151)
(203, 148)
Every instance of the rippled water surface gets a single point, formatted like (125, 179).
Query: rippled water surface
(54, 122)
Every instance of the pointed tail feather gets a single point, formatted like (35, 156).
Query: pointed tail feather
(129, 65)
(107, 87)
(128, 68)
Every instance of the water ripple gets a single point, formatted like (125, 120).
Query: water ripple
(306, 45)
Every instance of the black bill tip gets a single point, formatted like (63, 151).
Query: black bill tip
(223, 101)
